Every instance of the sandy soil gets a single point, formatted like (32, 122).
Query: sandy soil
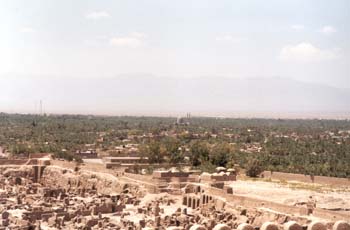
(93, 160)
(287, 194)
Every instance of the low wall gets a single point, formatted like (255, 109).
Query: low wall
(164, 174)
(13, 161)
(236, 200)
(210, 177)
(306, 178)
(39, 155)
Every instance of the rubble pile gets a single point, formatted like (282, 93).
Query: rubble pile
(62, 198)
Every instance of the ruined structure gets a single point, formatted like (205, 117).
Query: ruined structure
(49, 196)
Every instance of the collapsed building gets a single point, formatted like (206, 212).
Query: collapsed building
(44, 195)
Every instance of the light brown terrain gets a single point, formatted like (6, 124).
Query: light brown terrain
(54, 194)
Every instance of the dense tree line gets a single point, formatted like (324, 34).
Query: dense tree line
(317, 147)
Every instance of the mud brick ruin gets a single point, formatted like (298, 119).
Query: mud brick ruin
(45, 194)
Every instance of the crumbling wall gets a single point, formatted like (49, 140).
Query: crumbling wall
(13, 161)
(17, 171)
(69, 179)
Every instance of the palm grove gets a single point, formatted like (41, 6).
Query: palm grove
(316, 147)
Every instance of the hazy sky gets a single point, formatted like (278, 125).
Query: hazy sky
(303, 40)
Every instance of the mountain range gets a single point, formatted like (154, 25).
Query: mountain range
(150, 95)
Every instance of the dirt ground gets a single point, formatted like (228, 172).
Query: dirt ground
(292, 193)
(289, 193)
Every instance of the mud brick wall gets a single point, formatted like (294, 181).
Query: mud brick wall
(13, 161)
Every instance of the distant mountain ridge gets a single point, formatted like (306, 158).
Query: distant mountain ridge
(151, 94)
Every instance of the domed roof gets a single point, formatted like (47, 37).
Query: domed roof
(198, 227)
(221, 227)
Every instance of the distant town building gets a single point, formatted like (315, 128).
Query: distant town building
(90, 153)
(182, 121)
(112, 162)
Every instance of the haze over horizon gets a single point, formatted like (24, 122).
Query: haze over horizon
(139, 95)
(223, 58)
